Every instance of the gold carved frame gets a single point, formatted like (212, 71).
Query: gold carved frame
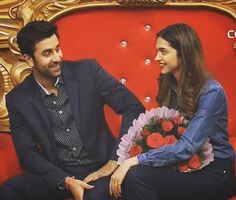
(15, 14)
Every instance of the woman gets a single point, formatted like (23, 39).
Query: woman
(184, 85)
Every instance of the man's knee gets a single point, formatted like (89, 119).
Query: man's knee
(24, 187)
(95, 194)
(100, 190)
(10, 189)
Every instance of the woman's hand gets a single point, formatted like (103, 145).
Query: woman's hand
(77, 187)
(106, 170)
(119, 175)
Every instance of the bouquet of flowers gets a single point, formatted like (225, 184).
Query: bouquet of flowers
(156, 128)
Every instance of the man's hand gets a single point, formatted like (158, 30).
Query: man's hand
(106, 170)
(119, 175)
(77, 187)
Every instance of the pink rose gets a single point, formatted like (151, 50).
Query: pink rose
(170, 139)
(167, 125)
(180, 130)
(145, 133)
(177, 120)
(135, 150)
(183, 167)
(155, 140)
(195, 162)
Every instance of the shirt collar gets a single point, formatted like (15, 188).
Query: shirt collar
(44, 91)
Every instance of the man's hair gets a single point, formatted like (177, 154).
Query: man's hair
(32, 33)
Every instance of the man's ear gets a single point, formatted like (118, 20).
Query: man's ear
(29, 60)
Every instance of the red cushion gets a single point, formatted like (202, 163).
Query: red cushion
(99, 33)
(9, 166)
(232, 141)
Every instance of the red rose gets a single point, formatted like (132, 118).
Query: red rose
(155, 140)
(145, 133)
(167, 125)
(170, 139)
(195, 162)
(180, 130)
(135, 150)
(177, 120)
(183, 167)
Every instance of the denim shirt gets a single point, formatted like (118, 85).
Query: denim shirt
(210, 120)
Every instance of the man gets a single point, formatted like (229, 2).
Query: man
(58, 124)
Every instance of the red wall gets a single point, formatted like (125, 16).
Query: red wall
(98, 34)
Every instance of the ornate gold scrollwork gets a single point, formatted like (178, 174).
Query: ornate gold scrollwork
(14, 14)
(5, 86)
(8, 26)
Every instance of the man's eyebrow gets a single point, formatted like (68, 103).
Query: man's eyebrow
(161, 48)
(46, 50)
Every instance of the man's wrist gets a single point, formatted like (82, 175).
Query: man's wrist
(113, 162)
(61, 185)
(67, 182)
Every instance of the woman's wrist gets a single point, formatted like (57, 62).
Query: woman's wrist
(131, 162)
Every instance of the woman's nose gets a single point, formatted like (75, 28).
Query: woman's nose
(158, 58)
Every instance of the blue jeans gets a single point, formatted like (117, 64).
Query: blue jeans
(214, 182)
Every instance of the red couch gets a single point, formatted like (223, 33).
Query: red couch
(123, 41)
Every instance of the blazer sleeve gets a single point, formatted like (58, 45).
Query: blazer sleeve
(119, 98)
(28, 153)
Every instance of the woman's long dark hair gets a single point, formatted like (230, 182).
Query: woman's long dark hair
(193, 75)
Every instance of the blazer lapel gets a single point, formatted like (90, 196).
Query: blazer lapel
(42, 111)
(72, 90)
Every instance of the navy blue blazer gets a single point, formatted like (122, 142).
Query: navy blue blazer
(89, 88)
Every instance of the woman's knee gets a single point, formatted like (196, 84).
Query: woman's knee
(136, 175)
(137, 184)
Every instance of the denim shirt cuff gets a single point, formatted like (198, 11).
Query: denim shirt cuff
(142, 158)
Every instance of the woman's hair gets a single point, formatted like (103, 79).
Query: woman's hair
(32, 33)
(193, 76)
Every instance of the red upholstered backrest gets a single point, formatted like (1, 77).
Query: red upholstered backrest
(9, 165)
(99, 34)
